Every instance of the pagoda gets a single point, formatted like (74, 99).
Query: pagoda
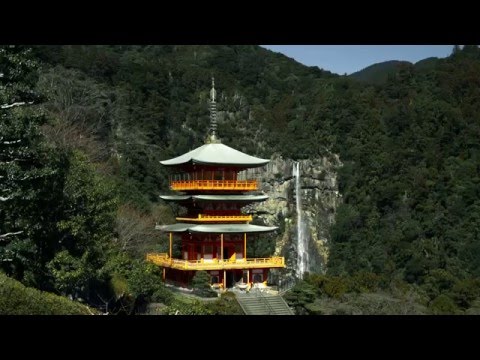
(214, 232)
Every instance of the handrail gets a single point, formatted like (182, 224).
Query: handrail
(287, 286)
(162, 259)
(208, 218)
(214, 185)
(260, 295)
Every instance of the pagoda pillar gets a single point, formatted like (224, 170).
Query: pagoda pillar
(245, 246)
(221, 247)
(170, 253)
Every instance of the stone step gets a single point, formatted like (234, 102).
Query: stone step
(265, 304)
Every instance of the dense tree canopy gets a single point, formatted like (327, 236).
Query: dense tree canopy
(409, 143)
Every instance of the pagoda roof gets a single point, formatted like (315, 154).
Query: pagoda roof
(215, 228)
(216, 154)
(214, 197)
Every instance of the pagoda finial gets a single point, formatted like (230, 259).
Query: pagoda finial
(213, 93)
(212, 137)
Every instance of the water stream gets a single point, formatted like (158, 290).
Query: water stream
(302, 236)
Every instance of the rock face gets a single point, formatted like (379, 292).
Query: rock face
(320, 199)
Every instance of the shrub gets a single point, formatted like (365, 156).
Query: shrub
(226, 305)
(17, 299)
(336, 287)
(201, 284)
(465, 291)
(443, 305)
(364, 281)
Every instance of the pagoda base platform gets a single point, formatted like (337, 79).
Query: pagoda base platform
(162, 259)
(220, 279)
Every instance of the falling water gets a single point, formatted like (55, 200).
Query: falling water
(302, 238)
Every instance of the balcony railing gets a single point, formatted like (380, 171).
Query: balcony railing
(162, 259)
(215, 218)
(241, 185)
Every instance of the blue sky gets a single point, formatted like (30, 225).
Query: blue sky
(342, 59)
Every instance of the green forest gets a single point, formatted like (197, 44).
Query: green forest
(83, 129)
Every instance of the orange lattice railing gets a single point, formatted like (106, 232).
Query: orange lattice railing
(244, 185)
(162, 259)
(217, 218)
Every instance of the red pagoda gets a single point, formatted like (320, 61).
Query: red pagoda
(214, 232)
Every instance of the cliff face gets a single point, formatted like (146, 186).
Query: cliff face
(320, 199)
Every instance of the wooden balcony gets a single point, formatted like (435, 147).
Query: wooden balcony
(162, 259)
(217, 219)
(240, 185)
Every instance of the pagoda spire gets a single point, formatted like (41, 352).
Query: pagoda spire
(212, 137)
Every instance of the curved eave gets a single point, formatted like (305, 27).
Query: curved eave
(216, 154)
(239, 198)
(223, 163)
(175, 197)
(216, 228)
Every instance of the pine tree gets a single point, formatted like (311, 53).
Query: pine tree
(23, 160)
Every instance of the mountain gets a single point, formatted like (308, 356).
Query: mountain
(378, 73)
(398, 149)
(427, 63)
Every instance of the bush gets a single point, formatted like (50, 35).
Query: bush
(465, 291)
(336, 287)
(162, 295)
(301, 294)
(438, 281)
(16, 299)
(201, 284)
(144, 279)
(195, 307)
(317, 280)
(443, 305)
(364, 281)
(226, 305)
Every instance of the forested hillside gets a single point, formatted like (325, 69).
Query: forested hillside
(101, 117)
(379, 73)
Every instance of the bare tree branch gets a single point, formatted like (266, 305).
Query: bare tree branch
(4, 236)
(11, 142)
(7, 106)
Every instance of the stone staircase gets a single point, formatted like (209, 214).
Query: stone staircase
(258, 303)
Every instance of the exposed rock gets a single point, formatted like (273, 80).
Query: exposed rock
(320, 199)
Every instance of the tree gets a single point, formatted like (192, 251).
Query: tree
(201, 284)
(86, 213)
(27, 167)
(456, 49)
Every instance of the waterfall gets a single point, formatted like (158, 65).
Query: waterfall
(302, 238)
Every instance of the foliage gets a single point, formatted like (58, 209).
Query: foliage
(227, 304)
(84, 227)
(443, 305)
(194, 307)
(16, 299)
(201, 284)
(336, 286)
(465, 292)
(145, 281)
(300, 295)
(364, 281)
(27, 168)
(378, 73)
(409, 144)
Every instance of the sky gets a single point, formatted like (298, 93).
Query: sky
(348, 59)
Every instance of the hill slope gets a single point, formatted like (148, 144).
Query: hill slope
(409, 145)
(378, 73)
